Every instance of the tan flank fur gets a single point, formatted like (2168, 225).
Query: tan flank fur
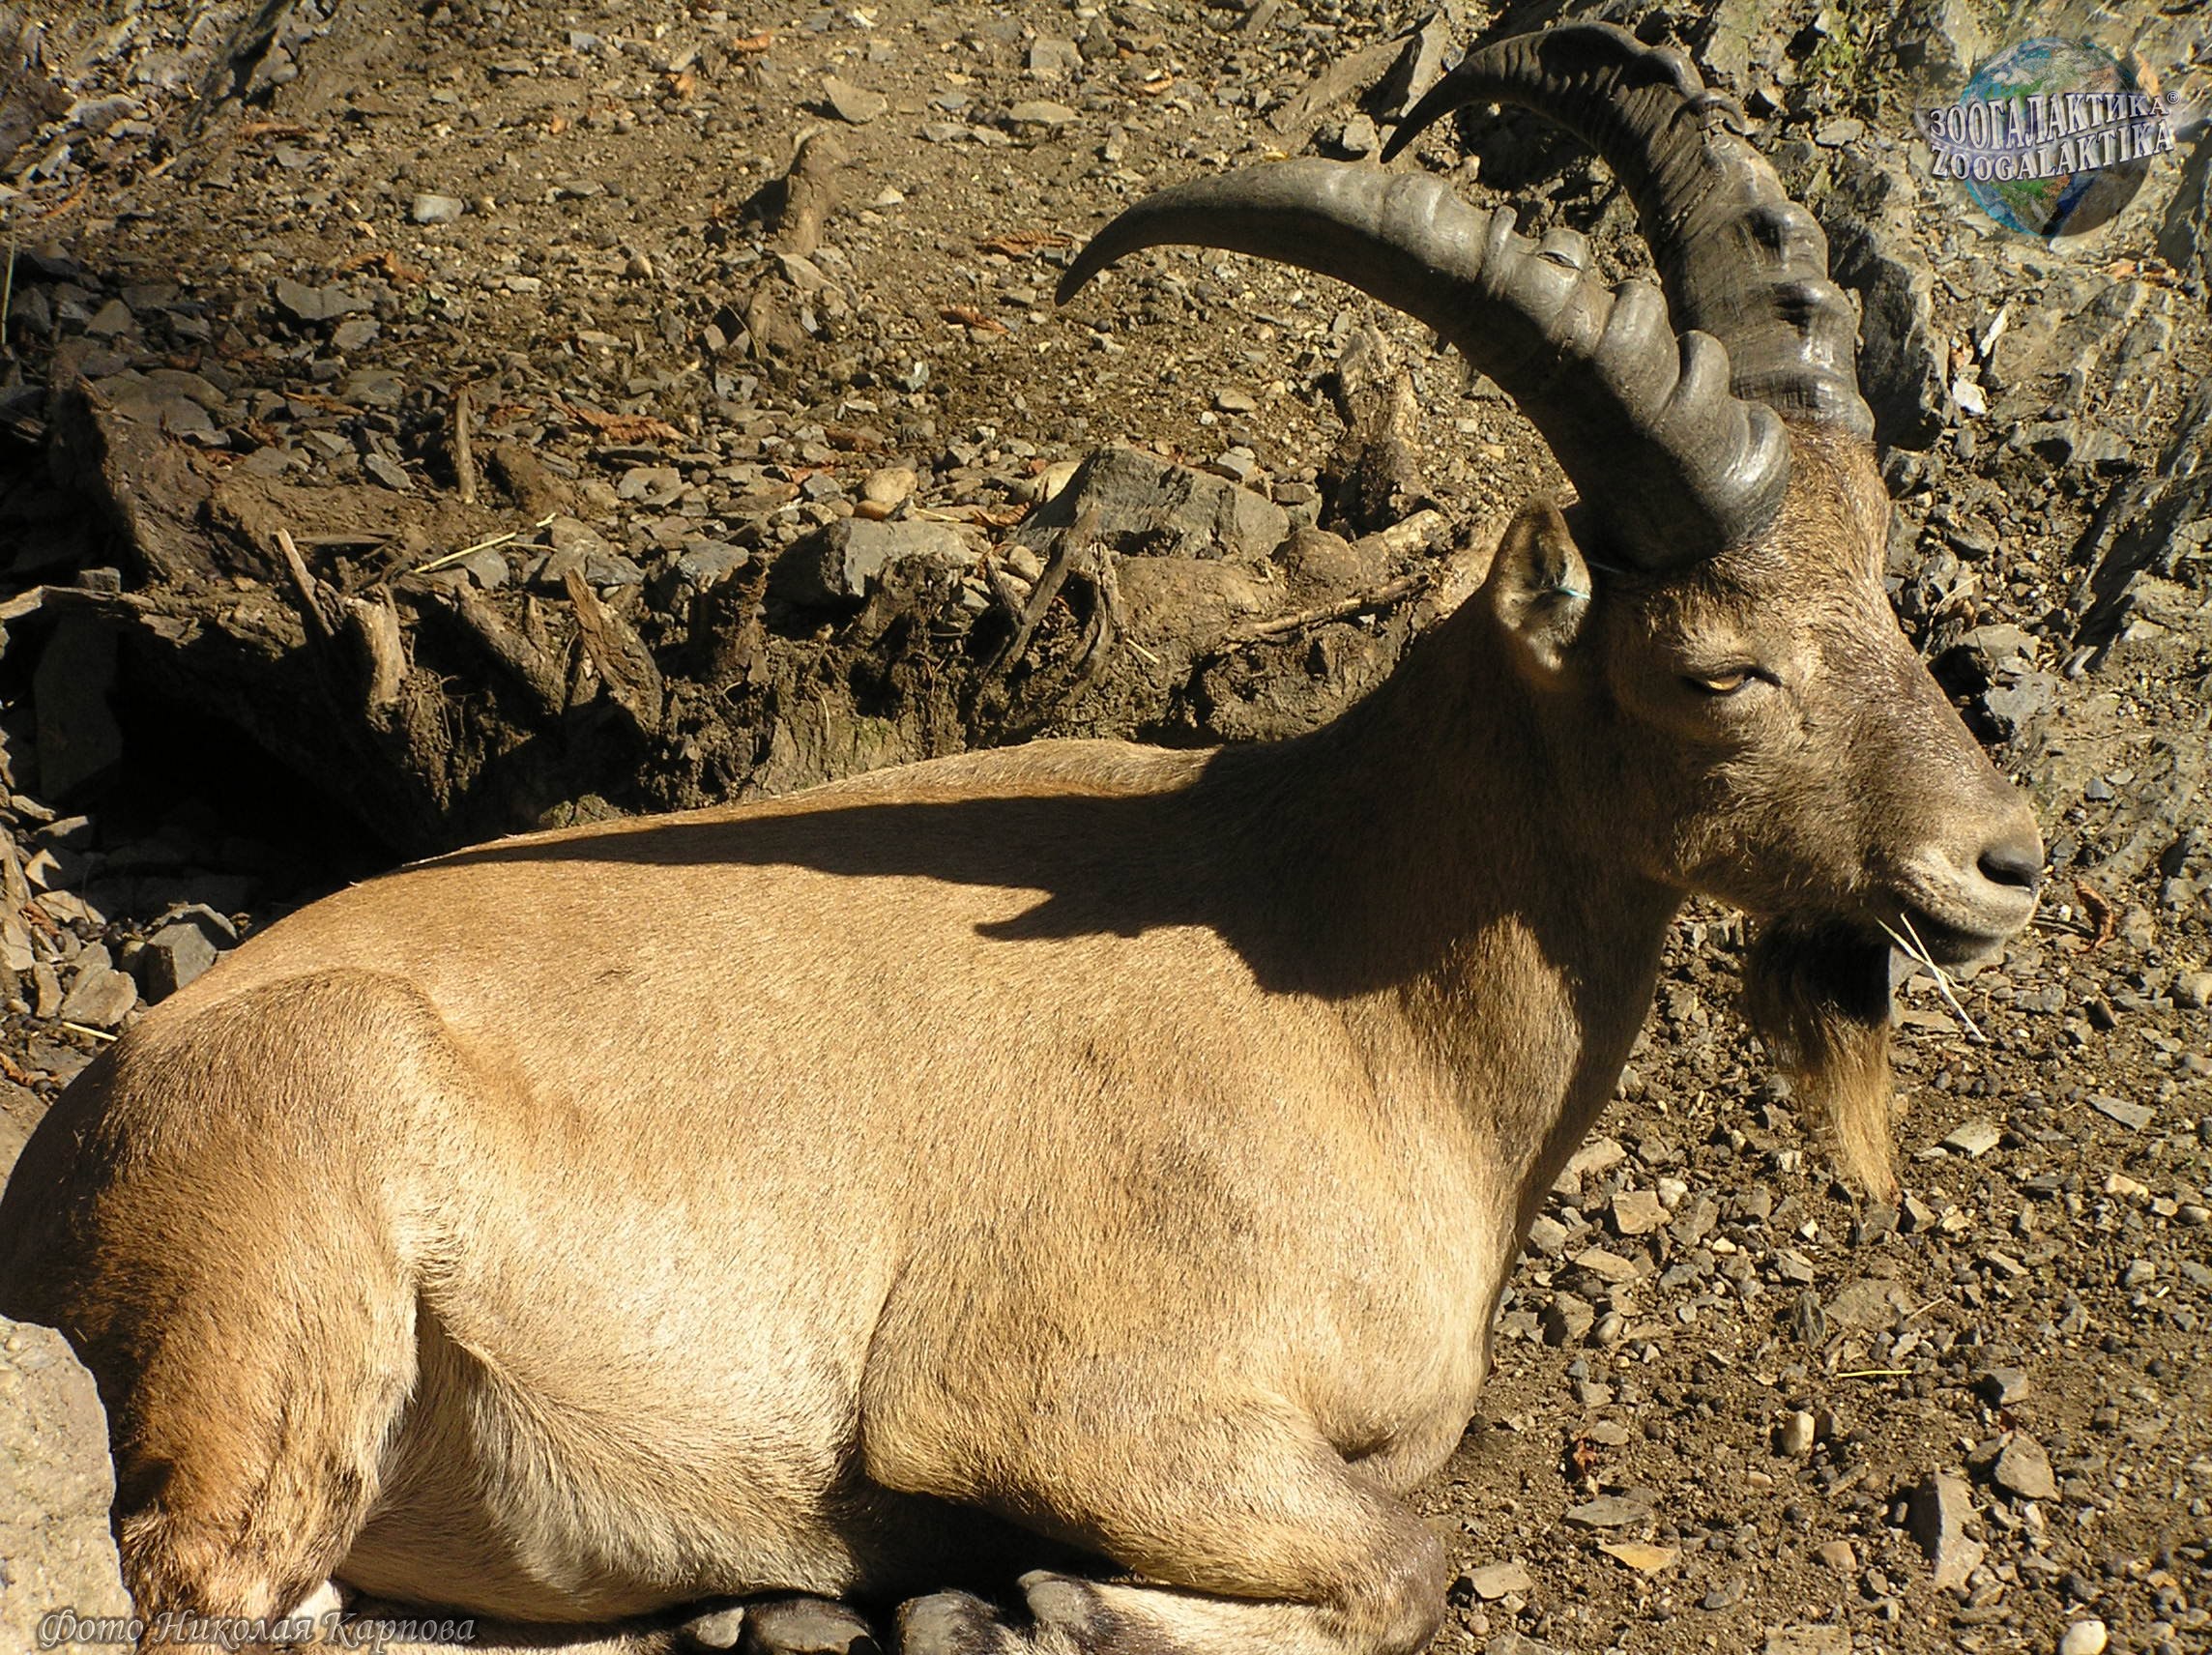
(1084, 1164)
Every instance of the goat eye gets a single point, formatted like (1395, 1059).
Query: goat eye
(1720, 683)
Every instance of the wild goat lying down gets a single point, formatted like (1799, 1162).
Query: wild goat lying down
(1085, 1164)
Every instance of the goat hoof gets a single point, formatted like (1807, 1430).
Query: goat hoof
(714, 1631)
(949, 1623)
(808, 1626)
(1057, 1600)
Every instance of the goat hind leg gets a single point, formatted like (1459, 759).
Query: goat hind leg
(1294, 1555)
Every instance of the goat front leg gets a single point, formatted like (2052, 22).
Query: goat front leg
(1270, 1548)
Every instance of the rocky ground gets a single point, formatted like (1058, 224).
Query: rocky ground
(663, 404)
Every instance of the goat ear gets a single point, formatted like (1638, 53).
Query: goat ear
(1539, 589)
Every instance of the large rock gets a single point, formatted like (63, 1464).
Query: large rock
(79, 742)
(174, 956)
(55, 1486)
(1871, 249)
(837, 565)
(1149, 508)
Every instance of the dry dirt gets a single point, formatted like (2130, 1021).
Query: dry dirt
(1754, 1378)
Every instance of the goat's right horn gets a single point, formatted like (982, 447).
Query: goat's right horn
(1673, 464)
(1740, 260)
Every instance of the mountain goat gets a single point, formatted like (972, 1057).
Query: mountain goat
(1083, 1165)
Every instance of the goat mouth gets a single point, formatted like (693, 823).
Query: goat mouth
(1943, 942)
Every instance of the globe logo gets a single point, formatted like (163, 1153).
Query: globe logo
(2050, 137)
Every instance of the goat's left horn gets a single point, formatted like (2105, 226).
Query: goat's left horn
(1675, 466)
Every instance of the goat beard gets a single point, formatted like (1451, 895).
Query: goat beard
(1817, 996)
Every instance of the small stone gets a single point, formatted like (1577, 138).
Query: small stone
(2024, 1469)
(1606, 1267)
(388, 470)
(1974, 1139)
(1597, 1156)
(1054, 60)
(1517, 1644)
(374, 386)
(710, 561)
(1040, 112)
(303, 303)
(1548, 1236)
(855, 105)
(1936, 1515)
(1838, 1555)
(2004, 1387)
(1568, 1319)
(1231, 400)
(1871, 1301)
(1644, 1558)
(889, 486)
(1808, 1641)
(1055, 478)
(1638, 1212)
(2193, 989)
(1358, 137)
(1495, 1581)
(427, 208)
(1609, 1511)
(2084, 1638)
(102, 995)
(606, 568)
(1591, 1393)
(650, 486)
(112, 319)
(1727, 1595)
(1797, 1434)
(487, 568)
(2135, 1116)
(2140, 1273)
(172, 957)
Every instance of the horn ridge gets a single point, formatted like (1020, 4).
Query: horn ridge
(1675, 466)
(1738, 258)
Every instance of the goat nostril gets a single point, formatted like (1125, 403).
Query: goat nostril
(2016, 860)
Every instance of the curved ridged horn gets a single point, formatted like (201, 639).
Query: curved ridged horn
(1739, 259)
(1674, 466)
